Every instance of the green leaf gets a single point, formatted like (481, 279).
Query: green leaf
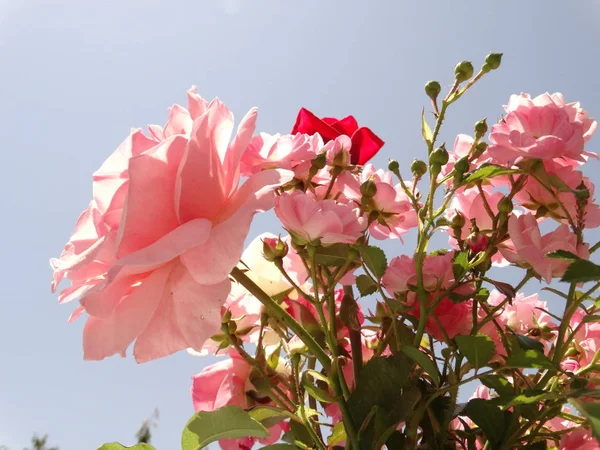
(424, 361)
(425, 129)
(380, 384)
(581, 271)
(338, 434)
(316, 392)
(478, 349)
(563, 254)
(268, 416)
(591, 412)
(460, 265)
(489, 418)
(229, 422)
(486, 171)
(333, 255)
(529, 398)
(528, 343)
(375, 260)
(366, 285)
(501, 385)
(117, 446)
(530, 359)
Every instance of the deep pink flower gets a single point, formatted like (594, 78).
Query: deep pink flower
(529, 247)
(454, 318)
(309, 219)
(150, 257)
(541, 128)
(365, 144)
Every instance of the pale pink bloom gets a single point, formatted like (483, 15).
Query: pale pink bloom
(534, 195)
(280, 151)
(541, 128)
(587, 338)
(150, 258)
(226, 383)
(577, 438)
(570, 365)
(309, 219)
(337, 151)
(470, 203)
(526, 315)
(401, 274)
(529, 247)
(396, 213)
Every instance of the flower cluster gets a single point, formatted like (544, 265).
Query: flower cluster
(320, 333)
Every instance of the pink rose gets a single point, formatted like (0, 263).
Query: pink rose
(280, 151)
(529, 247)
(150, 258)
(401, 274)
(534, 195)
(226, 383)
(391, 206)
(309, 219)
(470, 203)
(541, 128)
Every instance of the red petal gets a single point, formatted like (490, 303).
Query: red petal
(347, 125)
(365, 145)
(308, 123)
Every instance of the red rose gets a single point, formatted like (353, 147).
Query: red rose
(365, 143)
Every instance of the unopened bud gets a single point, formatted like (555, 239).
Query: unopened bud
(439, 156)
(582, 192)
(458, 221)
(368, 188)
(442, 222)
(505, 205)
(463, 71)
(274, 248)
(433, 89)
(393, 166)
(418, 168)
(320, 161)
(462, 165)
(493, 60)
(481, 128)
(479, 149)
(477, 242)
(342, 158)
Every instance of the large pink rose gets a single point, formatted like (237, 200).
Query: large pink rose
(395, 213)
(150, 257)
(401, 274)
(226, 383)
(535, 195)
(529, 247)
(310, 219)
(545, 127)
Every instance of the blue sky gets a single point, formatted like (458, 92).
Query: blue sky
(77, 75)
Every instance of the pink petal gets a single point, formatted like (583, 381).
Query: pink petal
(202, 175)
(149, 212)
(188, 315)
(106, 337)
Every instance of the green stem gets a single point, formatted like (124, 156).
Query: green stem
(281, 314)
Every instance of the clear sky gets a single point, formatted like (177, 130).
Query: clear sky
(76, 75)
